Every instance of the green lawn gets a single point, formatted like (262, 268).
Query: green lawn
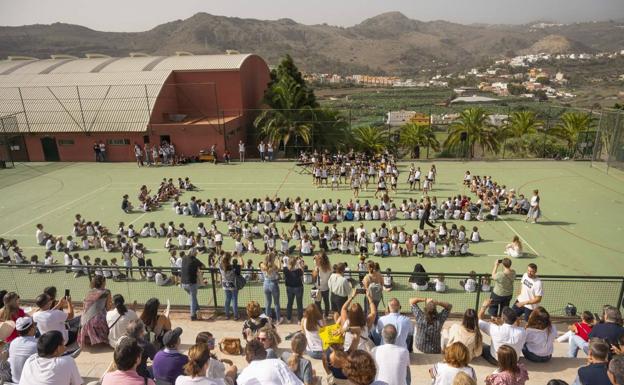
(581, 233)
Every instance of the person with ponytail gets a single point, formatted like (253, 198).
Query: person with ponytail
(301, 367)
(118, 320)
(196, 367)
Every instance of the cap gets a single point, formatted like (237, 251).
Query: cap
(172, 335)
(23, 323)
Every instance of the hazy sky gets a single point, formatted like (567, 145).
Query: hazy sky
(139, 15)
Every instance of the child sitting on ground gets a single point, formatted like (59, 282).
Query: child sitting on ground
(581, 329)
(470, 285)
(440, 286)
(485, 284)
(388, 281)
(475, 236)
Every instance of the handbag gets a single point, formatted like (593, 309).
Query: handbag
(331, 335)
(240, 282)
(231, 346)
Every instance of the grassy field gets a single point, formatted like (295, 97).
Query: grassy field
(581, 233)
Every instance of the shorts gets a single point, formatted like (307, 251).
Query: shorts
(141, 261)
(337, 302)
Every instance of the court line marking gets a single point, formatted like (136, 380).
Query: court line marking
(139, 217)
(56, 209)
(521, 237)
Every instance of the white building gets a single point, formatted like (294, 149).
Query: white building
(399, 118)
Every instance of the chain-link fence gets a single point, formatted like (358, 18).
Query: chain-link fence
(584, 292)
(608, 146)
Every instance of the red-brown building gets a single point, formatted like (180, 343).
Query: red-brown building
(55, 109)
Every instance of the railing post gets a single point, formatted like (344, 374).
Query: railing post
(620, 303)
(214, 289)
(478, 303)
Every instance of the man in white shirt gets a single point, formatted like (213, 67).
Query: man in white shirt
(392, 360)
(264, 371)
(531, 292)
(261, 148)
(402, 324)
(508, 333)
(22, 347)
(49, 366)
(241, 150)
(49, 319)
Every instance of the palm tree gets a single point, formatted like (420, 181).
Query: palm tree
(331, 130)
(370, 139)
(473, 126)
(518, 125)
(569, 127)
(289, 116)
(413, 136)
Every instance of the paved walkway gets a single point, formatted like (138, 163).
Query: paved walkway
(93, 364)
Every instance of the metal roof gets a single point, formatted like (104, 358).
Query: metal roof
(93, 94)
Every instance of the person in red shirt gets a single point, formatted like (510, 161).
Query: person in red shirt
(11, 312)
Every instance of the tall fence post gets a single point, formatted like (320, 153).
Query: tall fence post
(621, 296)
(214, 289)
(478, 301)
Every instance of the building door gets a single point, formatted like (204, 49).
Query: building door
(50, 149)
(165, 138)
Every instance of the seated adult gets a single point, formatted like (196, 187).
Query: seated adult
(356, 325)
(136, 330)
(507, 333)
(22, 347)
(270, 339)
(196, 369)
(216, 367)
(456, 359)
(509, 371)
(402, 324)
(595, 372)
(11, 311)
(264, 371)
(429, 324)
(169, 363)
(93, 326)
(127, 358)
(118, 319)
(391, 359)
(48, 319)
(540, 337)
(255, 321)
(156, 325)
(610, 330)
(514, 249)
(302, 367)
(360, 369)
(334, 361)
(49, 366)
(616, 370)
(419, 280)
(468, 333)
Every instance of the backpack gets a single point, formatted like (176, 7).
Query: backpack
(240, 282)
(376, 291)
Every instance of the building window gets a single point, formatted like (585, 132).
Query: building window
(66, 142)
(119, 142)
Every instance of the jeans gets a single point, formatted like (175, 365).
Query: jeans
(497, 304)
(325, 299)
(522, 311)
(575, 343)
(271, 294)
(534, 357)
(231, 296)
(191, 288)
(487, 355)
(294, 293)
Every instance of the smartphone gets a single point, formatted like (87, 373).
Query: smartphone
(66, 293)
(500, 261)
(360, 290)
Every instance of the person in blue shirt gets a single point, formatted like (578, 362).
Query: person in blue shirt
(595, 373)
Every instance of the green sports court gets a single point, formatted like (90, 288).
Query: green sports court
(580, 233)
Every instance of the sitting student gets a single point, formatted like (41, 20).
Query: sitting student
(475, 236)
(440, 286)
(127, 358)
(581, 329)
(463, 249)
(514, 249)
(169, 363)
(126, 206)
(470, 285)
(49, 366)
(388, 281)
(161, 279)
(485, 284)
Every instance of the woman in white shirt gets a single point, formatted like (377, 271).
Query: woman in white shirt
(456, 359)
(311, 323)
(514, 249)
(541, 335)
(197, 367)
(118, 320)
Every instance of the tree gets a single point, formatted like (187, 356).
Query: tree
(569, 127)
(516, 89)
(330, 130)
(472, 125)
(370, 139)
(288, 69)
(413, 136)
(519, 125)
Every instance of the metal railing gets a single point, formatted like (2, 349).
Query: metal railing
(584, 292)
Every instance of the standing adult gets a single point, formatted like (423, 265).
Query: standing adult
(102, 151)
(427, 337)
(191, 268)
(373, 283)
(426, 213)
(339, 288)
(93, 326)
(531, 292)
(293, 279)
(321, 275)
(402, 324)
(507, 333)
(241, 150)
(261, 149)
(534, 211)
(270, 269)
(503, 286)
(270, 151)
(146, 150)
(96, 151)
(138, 154)
(392, 360)
(229, 273)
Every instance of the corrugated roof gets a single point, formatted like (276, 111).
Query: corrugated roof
(93, 94)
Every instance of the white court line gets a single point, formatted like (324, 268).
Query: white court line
(53, 210)
(521, 237)
(139, 217)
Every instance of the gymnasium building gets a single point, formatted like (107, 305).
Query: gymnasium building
(55, 109)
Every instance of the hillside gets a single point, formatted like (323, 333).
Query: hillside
(388, 43)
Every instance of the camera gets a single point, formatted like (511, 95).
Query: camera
(360, 290)
(500, 261)
(66, 293)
